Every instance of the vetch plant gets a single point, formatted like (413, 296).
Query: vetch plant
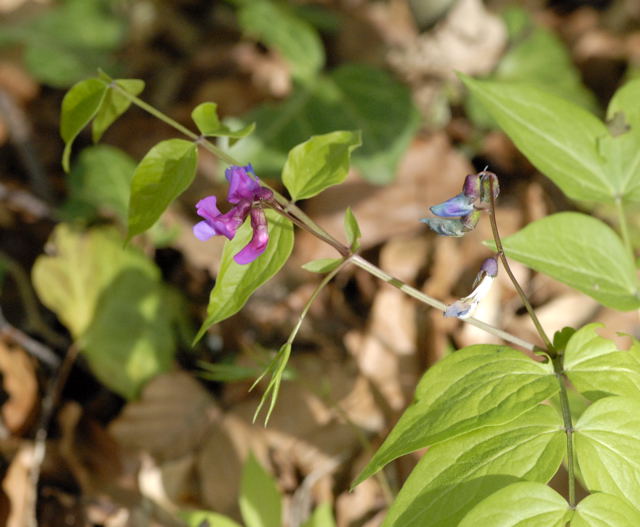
(497, 423)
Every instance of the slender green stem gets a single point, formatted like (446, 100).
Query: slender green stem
(425, 299)
(624, 228)
(568, 427)
(523, 297)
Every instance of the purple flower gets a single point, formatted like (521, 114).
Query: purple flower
(246, 193)
(465, 307)
(460, 214)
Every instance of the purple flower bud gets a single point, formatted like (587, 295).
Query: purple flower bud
(471, 187)
(464, 307)
(490, 266)
(242, 184)
(486, 180)
(455, 207)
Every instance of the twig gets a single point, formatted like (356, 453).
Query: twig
(33, 347)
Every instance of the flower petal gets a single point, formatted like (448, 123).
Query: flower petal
(445, 227)
(457, 206)
(471, 187)
(207, 208)
(259, 240)
(461, 309)
(203, 231)
(242, 185)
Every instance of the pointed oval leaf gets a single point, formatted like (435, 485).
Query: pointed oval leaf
(162, 175)
(352, 229)
(260, 501)
(557, 136)
(455, 475)
(320, 162)
(607, 445)
(322, 265)
(596, 368)
(605, 510)
(472, 388)
(114, 105)
(205, 116)
(524, 504)
(79, 106)
(236, 283)
(557, 245)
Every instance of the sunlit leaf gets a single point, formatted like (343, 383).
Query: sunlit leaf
(605, 510)
(322, 265)
(260, 501)
(321, 517)
(164, 173)
(475, 387)
(352, 229)
(455, 475)
(206, 518)
(114, 105)
(205, 116)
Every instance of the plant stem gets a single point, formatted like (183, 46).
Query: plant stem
(425, 299)
(624, 228)
(523, 297)
(568, 427)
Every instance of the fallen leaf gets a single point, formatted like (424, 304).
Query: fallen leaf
(20, 384)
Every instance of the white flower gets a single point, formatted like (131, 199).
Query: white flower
(465, 307)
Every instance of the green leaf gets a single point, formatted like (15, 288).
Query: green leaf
(456, 474)
(277, 26)
(523, 504)
(351, 97)
(206, 519)
(557, 245)
(100, 181)
(319, 163)
(321, 517)
(475, 387)
(112, 301)
(557, 136)
(260, 501)
(607, 446)
(352, 229)
(605, 510)
(114, 105)
(162, 175)
(79, 106)
(622, 151)
(322, 265)
(236, 283)
(596, 368)
(275, 371)
(205, 116)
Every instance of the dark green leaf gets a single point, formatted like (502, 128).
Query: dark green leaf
(605, 510)
(79, 106)
(475, 387)
(322, 265)
(523, 504)
(557, 136)
(236, 283)
(277, 26)
(607, 446)
(456, 474)
(557, 245)
(596, 368)
(319, 163)
(114, 105)
(260, 501)
(162, 175)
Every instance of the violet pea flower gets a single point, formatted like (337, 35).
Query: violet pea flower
(465, 307)
(246, 194)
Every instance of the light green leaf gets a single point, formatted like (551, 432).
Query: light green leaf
(596, 368)
(475, 387)
(607, 446)
(320, 162)
(277, 26)
(523, 504)
(236, 283)
(352, 229)
(322, 265)
(205, 116)
(351, 97)
(114, 105)
(456, 474)
(557, 245)
(321, 517)
(112, 301)
(100, 181)
(260, 501)
(206, 518)
(557, 136)
(162, 175)
(275, 371)
(605, 510)
(79, 106)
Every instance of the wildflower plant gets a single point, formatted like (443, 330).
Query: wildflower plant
(497, 422)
